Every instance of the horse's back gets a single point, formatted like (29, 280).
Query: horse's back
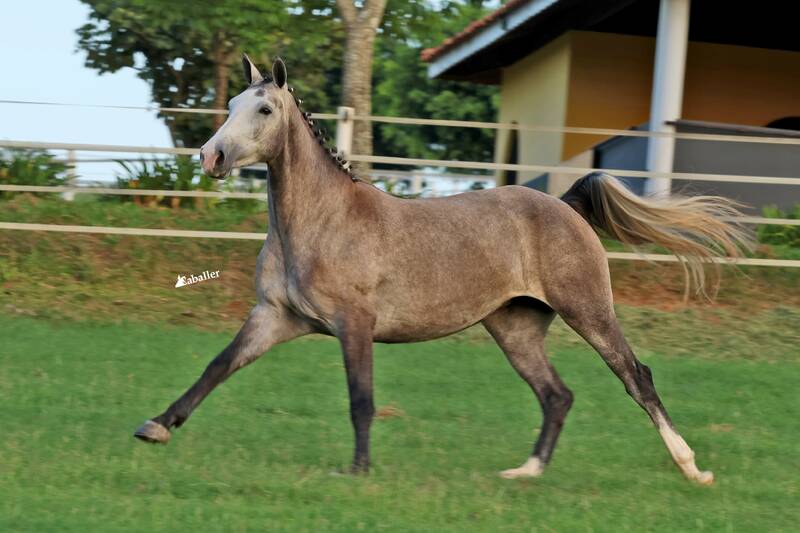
(512, 215)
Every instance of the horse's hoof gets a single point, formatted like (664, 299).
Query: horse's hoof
(152, 432)
(705, 478)
(532, 468)
(359, 470)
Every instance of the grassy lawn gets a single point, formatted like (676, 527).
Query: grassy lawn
(262, 452)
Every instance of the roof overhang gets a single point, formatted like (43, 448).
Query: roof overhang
(519, 27)
(492, 33)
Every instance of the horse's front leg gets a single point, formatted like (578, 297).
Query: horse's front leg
(266, 326)
(355, 336)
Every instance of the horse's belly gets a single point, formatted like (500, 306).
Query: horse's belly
(404, 332)
(426, 301)
(426, 320)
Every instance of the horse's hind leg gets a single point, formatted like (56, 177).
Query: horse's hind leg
(519, 329)
(596, 322)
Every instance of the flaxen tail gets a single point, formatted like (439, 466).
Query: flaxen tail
(696, 229)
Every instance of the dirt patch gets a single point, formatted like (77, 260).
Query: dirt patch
(389, 411)
(661, 287)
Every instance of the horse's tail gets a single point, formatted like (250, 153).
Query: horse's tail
(696, 229)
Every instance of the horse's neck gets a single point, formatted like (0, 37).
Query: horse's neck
(305, 187)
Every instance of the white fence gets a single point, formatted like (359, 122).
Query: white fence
(344, 119)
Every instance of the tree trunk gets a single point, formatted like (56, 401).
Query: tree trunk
(357, 90)
(361, 25)
(222, 75)
(177, 142)
(222, 57)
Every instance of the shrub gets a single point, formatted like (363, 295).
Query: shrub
(177, 174)
(30, 167)
(181, 173)
(784, 235)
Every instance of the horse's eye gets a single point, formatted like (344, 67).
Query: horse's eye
(265, 110)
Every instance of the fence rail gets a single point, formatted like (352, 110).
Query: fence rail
(263, 196)
(144, 232)
(150, 232)
(411, 121)
(760, 139)
(732, 178)
(132, 192)
(416, 162)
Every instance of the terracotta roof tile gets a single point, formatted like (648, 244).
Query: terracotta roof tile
(429, 54)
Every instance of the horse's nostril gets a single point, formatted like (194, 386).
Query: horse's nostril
(220, 157)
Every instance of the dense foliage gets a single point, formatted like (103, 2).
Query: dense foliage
(187, 51)
(785, 235)
(179, 173)
(402, 88)
(184, 50)
(30, 167)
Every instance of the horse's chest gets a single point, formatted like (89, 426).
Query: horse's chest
(307, 297)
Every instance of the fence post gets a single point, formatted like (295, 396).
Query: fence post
(71, 176)
(344, 131)
(416, 183)
(669, 72)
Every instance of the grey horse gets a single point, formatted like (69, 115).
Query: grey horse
(345, 259)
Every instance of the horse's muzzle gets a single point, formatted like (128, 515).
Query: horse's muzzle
(214, 162)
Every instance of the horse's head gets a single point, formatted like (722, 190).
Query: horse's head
(257, 124)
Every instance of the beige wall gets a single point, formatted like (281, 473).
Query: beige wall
(604, 80)
(611, 78)
(534, 91)
(740, 85)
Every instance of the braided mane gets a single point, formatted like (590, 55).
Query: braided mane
(322, 139)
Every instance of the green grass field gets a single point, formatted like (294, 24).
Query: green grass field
(263, 451)
(94, 338)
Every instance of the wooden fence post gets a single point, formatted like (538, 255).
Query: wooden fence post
(71, 176)
(344, 131)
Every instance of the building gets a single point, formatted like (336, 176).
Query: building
(710, 66)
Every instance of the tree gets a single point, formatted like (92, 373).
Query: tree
(402, 87)
(361, 26)
(188, 51)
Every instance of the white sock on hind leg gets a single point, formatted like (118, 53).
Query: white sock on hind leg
(683, 455)
(533, 467)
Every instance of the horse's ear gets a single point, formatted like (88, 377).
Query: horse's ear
(251, 73)
(279, 72)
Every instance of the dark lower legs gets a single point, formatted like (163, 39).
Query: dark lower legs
(519, 329)
(601, 329)
(355, 336)
(265, 327)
